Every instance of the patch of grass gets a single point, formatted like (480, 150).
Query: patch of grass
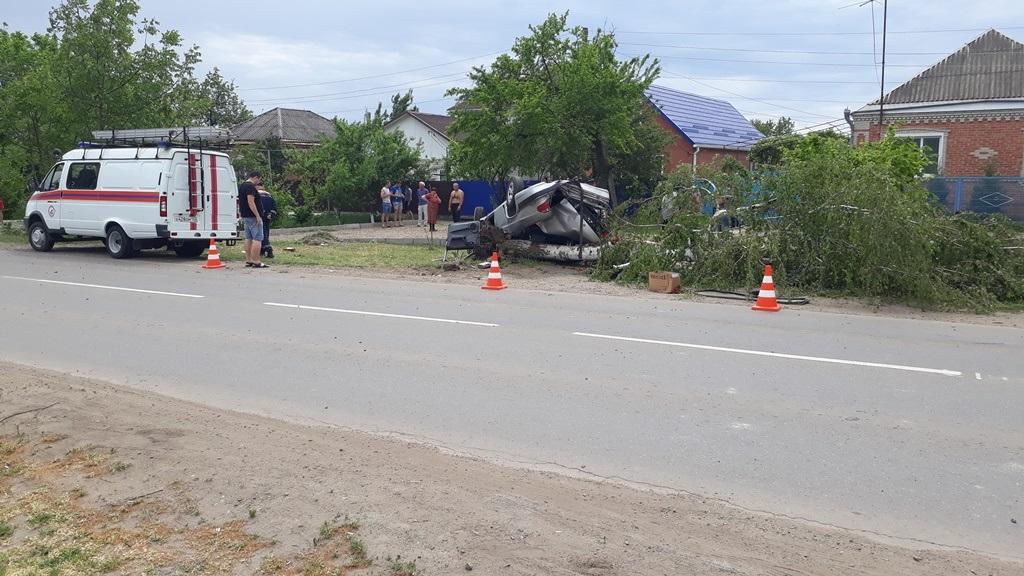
(347, 255)
(357, 549)
(9, 470)
(12, 235)
(252, 513)
(327, 531)
(119, 466)
(41, 519)
(6, 530)
(398, 568)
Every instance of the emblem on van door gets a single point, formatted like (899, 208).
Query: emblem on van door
(52, 211)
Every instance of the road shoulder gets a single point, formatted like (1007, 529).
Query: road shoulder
(283, 482)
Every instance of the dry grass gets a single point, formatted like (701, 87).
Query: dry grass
(46, 528)
(336, 550)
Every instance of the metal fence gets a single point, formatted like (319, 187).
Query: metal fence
(989, 195)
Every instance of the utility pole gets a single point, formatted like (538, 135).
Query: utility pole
(881, 99)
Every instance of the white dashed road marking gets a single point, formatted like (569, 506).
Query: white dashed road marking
(776, 354)
(365, 313)
(119, 288)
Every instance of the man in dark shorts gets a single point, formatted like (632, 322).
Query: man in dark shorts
(455, 202)
(251, 210)
(269, 206)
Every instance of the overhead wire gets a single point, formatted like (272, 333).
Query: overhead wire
(358, 92)
(373, 76)
(837, 33)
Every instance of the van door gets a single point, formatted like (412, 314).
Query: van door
(49, 195)
(220, 197)
(183, 202)
(82, 204)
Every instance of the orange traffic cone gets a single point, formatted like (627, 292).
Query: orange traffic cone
(213, 257)
(494, 275)
(766, 300)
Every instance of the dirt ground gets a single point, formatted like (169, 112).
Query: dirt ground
(110, 479)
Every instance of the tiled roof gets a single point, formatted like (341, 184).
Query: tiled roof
(706, 122)
(301, 126)
(437, 122)
(991, 67)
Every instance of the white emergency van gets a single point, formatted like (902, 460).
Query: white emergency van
(137, 189)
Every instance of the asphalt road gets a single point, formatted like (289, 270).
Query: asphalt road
(906, 428)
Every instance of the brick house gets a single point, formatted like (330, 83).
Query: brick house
(702, 129)
(967, 110)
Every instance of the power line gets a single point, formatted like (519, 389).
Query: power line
(772, 104)
(825, 52)
(333, 95)
(654, 33)
(415, 103)
(791, 63)
(375, 75)
(830, 125)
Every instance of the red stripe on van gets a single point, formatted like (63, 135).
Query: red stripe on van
(98, 196)
(213, 189)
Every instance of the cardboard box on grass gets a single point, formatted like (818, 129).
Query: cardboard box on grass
(664, 282)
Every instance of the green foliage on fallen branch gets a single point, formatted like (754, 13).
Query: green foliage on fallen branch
(838, 220)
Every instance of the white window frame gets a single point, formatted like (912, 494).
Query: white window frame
(942, 135)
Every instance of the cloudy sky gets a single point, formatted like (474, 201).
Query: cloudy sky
(808, 59)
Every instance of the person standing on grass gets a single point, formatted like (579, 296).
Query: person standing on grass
(269, 206)
(251, 210)
(455, 202)
(397, 201)
(433, 207)
(421, 196)
(385, 204)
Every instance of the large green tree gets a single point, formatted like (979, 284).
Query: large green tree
(561, 102)
(346, 171)
(98, 66)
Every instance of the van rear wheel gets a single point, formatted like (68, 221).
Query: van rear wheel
(119, 244)
(39, 238)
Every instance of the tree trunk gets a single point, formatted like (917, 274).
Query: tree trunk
(604, 168)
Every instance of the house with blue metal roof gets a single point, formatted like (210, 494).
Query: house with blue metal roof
(703, 129)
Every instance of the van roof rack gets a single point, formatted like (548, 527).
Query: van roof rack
(205, 136)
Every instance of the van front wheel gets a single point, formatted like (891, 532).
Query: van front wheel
(119, 245)
(39, 238)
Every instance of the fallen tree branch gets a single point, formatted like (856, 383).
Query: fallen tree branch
(9, 416)
(141, 496)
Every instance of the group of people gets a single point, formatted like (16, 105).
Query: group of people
(257, 208)
(393, 198)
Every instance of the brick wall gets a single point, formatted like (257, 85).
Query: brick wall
(680, 151)
(969, 143)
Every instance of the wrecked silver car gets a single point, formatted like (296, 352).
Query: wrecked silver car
(545, 218)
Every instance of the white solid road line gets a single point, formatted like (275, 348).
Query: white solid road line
(364, 313)
(104, 287)
(776, 354)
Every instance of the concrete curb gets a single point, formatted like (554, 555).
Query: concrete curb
(438, 242)
(309, 229)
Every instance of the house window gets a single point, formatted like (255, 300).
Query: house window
(934, 146)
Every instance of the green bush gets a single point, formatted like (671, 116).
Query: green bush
(303, 216)
(840, 220)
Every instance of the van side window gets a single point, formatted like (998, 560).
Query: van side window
(83, 175)
(52, 180)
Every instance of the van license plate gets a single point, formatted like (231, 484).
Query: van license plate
(184, 218)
